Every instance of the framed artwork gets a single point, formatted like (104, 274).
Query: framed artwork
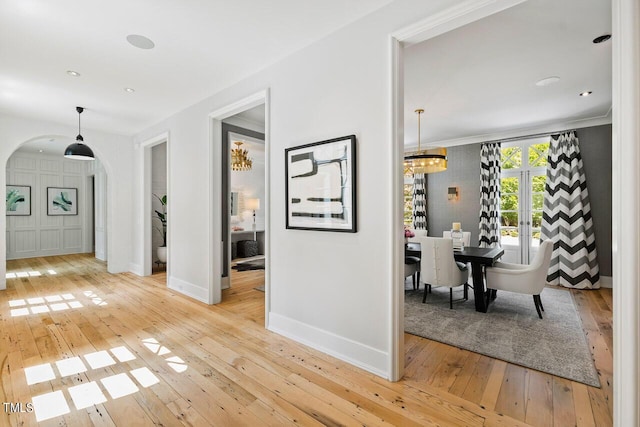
(62, 201)
(320, 180)
(18, 200)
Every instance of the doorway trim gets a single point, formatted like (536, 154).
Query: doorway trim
(215, 215)
(147, 219)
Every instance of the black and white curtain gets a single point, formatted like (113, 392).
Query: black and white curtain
(420, 201)
(566, 217)
(490, 195)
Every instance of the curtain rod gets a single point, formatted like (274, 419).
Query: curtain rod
(535, 135)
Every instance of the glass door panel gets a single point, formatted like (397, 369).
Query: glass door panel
(535, 215)
(510, 217)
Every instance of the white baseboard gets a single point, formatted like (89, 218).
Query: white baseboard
(188, 289)
(136, 269)
(355, 353)
(606, 282)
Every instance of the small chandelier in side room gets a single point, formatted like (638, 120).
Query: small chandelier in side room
(425, 161)
(78, 150)
(240, 160)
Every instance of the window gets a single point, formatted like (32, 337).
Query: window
(408, 198)
(521, 197)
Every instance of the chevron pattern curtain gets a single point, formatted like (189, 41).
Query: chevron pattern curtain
(566, 217)
(490, 195)
(420, 201)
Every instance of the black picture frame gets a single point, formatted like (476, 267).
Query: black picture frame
(320, 186)
(62, 201)
(18, 200)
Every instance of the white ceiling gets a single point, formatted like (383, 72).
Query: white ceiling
(201, 47)
(476, 80)
(480, 79)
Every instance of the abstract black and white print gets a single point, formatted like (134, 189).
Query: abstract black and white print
(321, 185)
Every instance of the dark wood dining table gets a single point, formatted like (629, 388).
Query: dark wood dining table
(478, 258)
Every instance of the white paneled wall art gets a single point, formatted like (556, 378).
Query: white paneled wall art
(40, 234)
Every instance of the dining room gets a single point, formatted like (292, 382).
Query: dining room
(493, 135)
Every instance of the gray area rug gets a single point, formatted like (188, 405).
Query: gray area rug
(510, 330)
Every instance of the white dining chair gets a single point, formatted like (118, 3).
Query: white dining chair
(525, 279)
(418, 233)
(439, 268)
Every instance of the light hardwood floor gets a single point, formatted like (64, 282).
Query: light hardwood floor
(217, 365)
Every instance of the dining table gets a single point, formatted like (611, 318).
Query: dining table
(479, 258)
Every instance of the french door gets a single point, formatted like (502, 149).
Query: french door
(521, 198)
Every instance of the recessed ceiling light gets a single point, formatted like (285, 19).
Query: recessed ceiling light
(129, 89)
(40, 151)
(602, 38)
(587, 93)
(548, 81)
(73, 73)
(141, 42)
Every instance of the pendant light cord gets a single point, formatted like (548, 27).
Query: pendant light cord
(419, 111)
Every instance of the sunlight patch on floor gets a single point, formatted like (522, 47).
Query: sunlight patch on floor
(50, 405)
(155, 347)
(53, 404)
(39, 305)
(119, 385)
(86, 395)
(95, 298)
(21, 274)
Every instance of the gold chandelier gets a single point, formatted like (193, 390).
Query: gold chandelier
(239, 158)
(425, 161)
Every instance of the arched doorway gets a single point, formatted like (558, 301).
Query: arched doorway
(56, 206)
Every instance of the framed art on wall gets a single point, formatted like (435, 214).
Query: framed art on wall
(320, 185)
(18, 200)
(62, 201)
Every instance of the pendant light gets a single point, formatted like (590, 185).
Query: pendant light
(425, 161)
(78, 150)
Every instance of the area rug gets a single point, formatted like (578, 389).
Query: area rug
(510, 330)
(257, 264)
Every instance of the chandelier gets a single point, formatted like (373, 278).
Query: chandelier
(425, 161)
(239, 159)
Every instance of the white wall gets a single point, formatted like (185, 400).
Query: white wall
(115, 151)
(330, 290)
(40, 234)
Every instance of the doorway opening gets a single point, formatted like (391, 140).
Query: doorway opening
(155, 232)
(243, 206)
(405, 99)
(240, 203)
(38, 224)
(158, 202)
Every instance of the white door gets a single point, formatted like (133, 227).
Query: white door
(521, 198)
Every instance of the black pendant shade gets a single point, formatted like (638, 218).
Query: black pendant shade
(78, 150)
